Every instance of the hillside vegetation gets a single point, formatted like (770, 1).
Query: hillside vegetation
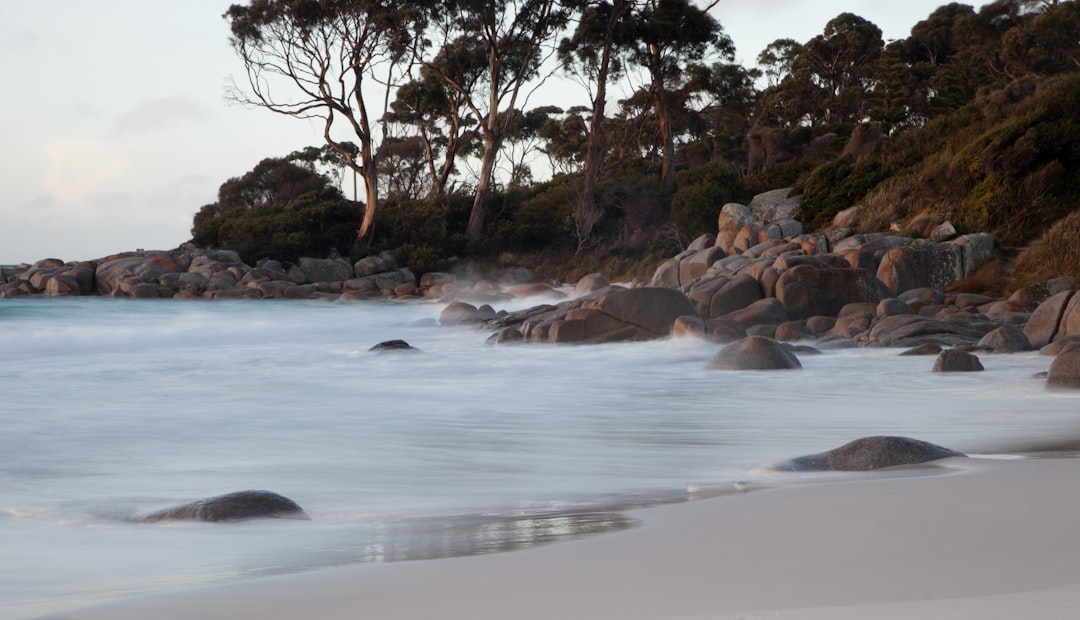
(972, 119)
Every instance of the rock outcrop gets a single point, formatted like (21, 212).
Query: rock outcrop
(611, 314)
(188, 272)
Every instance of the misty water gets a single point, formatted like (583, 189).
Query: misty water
(112, 409)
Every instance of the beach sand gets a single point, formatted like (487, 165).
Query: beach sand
(968, 538)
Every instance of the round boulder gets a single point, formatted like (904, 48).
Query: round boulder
(590, 284)
(754, 353)
(955, 360)
(870, 453)
(232, 507)
(1006, 339)
(459, 312)
(1065, 369)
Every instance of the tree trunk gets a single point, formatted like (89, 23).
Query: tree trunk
(586, 215)
(663, 118)
(663, 122)
(483, 188)
(371, 189)
(367, 226)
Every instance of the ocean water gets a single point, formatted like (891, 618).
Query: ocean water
(111, 409)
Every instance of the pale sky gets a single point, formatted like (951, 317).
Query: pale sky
(114, 129)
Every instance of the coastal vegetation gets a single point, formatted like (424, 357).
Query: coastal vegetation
(970, 119)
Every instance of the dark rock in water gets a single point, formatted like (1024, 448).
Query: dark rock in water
(955, 360)
(393, 345)
(232, 507)
(754, 353)
(870, 453)
(1065, 369)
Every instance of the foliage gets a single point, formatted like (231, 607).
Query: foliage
(702, 192)
(833, 187)
(274, 182)
(633, 202)
(312, 225)
(1007, 163)
(665, 37)
(1054, 254)
(323, 52)
(971, 118)
(534, 219)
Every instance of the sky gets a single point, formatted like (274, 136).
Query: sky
(114, 128)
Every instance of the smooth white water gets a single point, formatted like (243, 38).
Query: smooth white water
(114, 408)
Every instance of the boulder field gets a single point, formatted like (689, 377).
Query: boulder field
(763, 277)
(193, 273)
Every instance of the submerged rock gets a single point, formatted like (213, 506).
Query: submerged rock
(870, 453)
(393, 345)
(232, 507)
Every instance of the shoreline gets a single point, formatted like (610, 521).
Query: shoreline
(987, 538)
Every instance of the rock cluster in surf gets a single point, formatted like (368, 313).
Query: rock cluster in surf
(760, 275)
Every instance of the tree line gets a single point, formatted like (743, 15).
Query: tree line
(426, 100)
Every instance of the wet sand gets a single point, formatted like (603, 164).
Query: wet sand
(981, 538)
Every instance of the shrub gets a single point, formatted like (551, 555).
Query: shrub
(702, 192)
(833, 187)
(1056, 253)
(312, 226)
(533, 221)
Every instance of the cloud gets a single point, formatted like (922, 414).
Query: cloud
(78, 170)
(23, 42)
(160, 114)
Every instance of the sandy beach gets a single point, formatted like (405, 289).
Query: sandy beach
(966, 538)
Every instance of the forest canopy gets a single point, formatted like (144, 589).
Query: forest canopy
(430, 105)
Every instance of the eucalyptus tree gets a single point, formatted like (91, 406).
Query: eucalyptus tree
(777, 59)
(840, 63)
(566, 140)
(667, 36)
(718, 104)
(314, 59)
(525, 138)
(590, 54)
(439, 113)
(825, 80)
(514, 38)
